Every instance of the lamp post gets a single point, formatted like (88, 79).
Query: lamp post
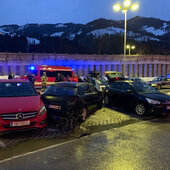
(126, 5)
(130, 47)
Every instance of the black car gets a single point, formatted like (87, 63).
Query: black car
(139, 96)
(68, 100)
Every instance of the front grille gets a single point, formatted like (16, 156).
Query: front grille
(13, 116)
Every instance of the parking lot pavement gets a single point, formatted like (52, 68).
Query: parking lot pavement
(103, 119)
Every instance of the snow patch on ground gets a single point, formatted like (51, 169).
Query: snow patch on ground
(33, 41)
(57, 34)
(154, 31)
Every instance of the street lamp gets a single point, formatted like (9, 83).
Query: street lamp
(126, 5)
(130, 47)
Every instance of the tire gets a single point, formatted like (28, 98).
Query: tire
(140, 109)
(83, 113)
(158, 87)
(106, 100)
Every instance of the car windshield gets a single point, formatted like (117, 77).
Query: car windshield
(144, 88)
(55, 73)
(16, 89)
(158, 79)
(114, 75)
(61, 91)
(102, 79)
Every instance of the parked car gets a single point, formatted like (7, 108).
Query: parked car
(136, 79)
(96, 79)
(138, 96)
(160, 82)
(69, 100)
(114, 75)
(21, 106)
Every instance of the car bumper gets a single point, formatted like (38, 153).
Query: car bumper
(37, 122)
(160, 109)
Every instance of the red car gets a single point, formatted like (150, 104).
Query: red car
(20, 106)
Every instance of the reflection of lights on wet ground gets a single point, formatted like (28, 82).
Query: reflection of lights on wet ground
(79, 152)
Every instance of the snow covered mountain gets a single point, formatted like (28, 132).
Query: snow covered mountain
(139, 29)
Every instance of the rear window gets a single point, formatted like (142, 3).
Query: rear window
(115, 85)
(54, 73)
(61, 91)
(14, 89)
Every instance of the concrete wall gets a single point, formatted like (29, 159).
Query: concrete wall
(136, 65)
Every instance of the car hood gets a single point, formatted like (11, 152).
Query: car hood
(160, 97)
(21, 104)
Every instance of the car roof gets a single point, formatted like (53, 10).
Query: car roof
(106, 72)
(122, 81)
(70, 84)
(14, 80)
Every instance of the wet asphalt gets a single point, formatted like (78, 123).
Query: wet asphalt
(142, 145)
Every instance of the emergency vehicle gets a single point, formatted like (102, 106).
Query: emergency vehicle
(51, 72)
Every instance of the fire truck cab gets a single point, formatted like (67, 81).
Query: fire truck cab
(51, 72)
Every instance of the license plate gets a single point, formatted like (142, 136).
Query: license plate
(168, 107)
(21, 123)
(55, 107)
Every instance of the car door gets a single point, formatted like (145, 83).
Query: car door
(128, 97)
(165, 83)
(88, 97)
(96, 95)
(115, 92)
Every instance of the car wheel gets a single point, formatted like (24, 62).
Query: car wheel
(106, 100)
(83, 113)
(140, 109)
(158, 87)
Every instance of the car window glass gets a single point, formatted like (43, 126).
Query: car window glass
(86, 88)
(16, 89)
(61, 91)
(80, 90)
(126, 86)
(115, 85)
(93, 88)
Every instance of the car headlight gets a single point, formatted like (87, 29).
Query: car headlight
(151, 101)
(42, 110)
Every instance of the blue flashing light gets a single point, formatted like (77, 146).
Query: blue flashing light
(72, 69)
(32, 68)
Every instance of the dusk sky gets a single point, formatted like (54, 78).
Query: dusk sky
(77, 11)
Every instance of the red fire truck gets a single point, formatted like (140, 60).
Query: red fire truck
(51, 72)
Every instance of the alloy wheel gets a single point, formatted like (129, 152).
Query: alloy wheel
(140, 109)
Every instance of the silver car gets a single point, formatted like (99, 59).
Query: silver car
(160, 82)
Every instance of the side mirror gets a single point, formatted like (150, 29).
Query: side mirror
(39, 93)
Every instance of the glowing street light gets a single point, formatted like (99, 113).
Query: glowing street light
(130, 47)
(126, 5)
